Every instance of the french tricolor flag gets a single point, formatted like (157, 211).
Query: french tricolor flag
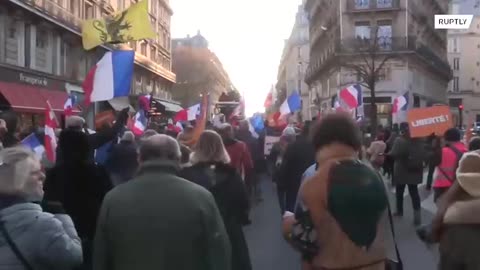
(351, 96)
(32, 142)
(139, 123)
(400, 103)
(110, 77)
(68, 106)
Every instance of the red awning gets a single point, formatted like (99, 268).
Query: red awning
(28, 98)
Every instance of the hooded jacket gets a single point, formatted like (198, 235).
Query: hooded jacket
(46, 241)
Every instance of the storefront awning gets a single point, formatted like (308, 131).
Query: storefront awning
(33, 99)
(121, 103)
(171, 107)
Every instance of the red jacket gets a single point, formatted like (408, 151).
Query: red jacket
(240, 157)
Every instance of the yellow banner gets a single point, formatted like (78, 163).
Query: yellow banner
(128, 25)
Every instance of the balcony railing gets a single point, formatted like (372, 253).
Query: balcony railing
(372, 5)
(61, 14)
(384, 45)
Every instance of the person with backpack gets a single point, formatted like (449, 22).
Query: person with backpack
(408, 155)
(452, 152)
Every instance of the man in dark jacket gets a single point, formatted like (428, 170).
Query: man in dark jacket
(298, 157)
(159, 220)
(98, 139)
(408, 154)
(122, 161)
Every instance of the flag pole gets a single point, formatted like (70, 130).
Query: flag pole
(51, 111)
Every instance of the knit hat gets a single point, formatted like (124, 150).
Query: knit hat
(468, 173)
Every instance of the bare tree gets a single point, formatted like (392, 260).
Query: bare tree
(367, 57)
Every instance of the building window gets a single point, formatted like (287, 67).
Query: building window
(143, 48)
(153, 7)
(120, 4)
(384, 3)
(41, 39)
(455, 84)
(384, 34)
(456, 63)
(362, 4)
(455, 45)
(89, 11)
(362, 30)
(153, 53)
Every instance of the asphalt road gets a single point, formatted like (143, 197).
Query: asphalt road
(269, 251)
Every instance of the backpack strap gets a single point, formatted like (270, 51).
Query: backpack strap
(456, 151)
(14, 247)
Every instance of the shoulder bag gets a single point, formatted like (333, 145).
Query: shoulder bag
(391, 264)
(14, 247)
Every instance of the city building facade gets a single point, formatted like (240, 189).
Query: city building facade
(199, 71)
(464, 57)
(41, 54)
(415, 53)
(294, 62)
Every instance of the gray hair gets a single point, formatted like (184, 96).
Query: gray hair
(74, 121)
(160, 147)
(149, 133)
(210, 148)
(128, 136)
(15, 168)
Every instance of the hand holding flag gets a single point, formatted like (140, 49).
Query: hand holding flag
(50, 138)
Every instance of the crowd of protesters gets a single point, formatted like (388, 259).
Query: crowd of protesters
(116, 201)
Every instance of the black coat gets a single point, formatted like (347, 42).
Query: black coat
(296, 160)
(78, 184)
(231, 197)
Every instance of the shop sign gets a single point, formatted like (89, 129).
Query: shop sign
(26, 77)
(33, 80)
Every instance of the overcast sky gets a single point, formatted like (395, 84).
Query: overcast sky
(247, 35)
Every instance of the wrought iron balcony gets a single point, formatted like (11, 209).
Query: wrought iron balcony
(56, 11)
(385, 45)
(372, 5)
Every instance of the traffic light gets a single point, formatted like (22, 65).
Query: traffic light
(460, 107)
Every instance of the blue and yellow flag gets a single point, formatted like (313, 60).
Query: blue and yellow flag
(128, 25)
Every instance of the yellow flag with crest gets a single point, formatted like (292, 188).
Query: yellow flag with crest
(128, 25)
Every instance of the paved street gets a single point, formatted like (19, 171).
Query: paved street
(269, 251)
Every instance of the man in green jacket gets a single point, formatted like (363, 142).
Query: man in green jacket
(159, 220)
